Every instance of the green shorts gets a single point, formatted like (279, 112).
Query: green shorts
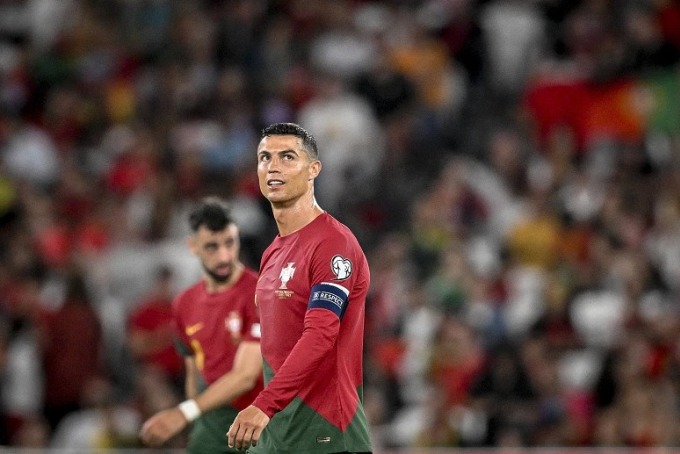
(208, 434)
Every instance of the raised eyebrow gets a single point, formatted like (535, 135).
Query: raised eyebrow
(269, 153)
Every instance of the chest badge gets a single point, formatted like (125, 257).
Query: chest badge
(285, 276)
(234, 323)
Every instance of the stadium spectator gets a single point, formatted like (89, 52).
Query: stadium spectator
(116, 116)
(72, 350)
(151, 329)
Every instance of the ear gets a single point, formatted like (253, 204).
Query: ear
(191, 243)
(314, 169)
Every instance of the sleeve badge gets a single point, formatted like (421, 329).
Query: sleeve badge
(341, 267)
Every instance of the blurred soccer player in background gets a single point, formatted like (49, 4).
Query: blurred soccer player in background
(219, 334)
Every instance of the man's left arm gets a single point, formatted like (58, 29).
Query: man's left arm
(336, 272)
(318, 337)
(321, 328)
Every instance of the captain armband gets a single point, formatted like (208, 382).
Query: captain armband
(329, 296)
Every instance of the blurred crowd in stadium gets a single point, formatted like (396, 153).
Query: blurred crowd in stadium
(511, 167)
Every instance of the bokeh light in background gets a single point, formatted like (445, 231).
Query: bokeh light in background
(510, 167)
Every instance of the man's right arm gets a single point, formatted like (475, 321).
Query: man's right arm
(165, 424)
(190, 378)
(241, 378)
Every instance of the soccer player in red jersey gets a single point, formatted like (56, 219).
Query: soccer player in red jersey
(311, 294)
(219, 334)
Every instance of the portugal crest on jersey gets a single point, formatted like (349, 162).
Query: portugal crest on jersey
(342, 267)
(233, 323)
(286, 274)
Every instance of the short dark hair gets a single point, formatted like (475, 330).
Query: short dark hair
(212, 212)
(292, 129)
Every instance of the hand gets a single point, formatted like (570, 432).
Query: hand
(246, 429)
(162, 426)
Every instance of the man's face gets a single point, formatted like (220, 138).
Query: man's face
(217, 251)
(284, 170)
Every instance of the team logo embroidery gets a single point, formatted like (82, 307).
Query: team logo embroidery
(233, 323)
(342, 267)
(286, 275)
(193, 329)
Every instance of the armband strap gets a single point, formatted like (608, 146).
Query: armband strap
(190, 409)
(329, 296)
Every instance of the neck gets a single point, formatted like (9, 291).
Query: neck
(292, 218)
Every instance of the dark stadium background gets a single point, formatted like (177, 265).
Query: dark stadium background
(511, 168)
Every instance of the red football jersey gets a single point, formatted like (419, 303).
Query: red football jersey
(211, 325)
(311, 295)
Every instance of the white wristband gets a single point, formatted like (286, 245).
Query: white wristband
(190, 409)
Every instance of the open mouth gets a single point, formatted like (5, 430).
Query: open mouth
(223, 270)
(274, 183)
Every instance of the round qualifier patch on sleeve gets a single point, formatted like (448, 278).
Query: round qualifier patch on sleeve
(329, 296)
(342, 267)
